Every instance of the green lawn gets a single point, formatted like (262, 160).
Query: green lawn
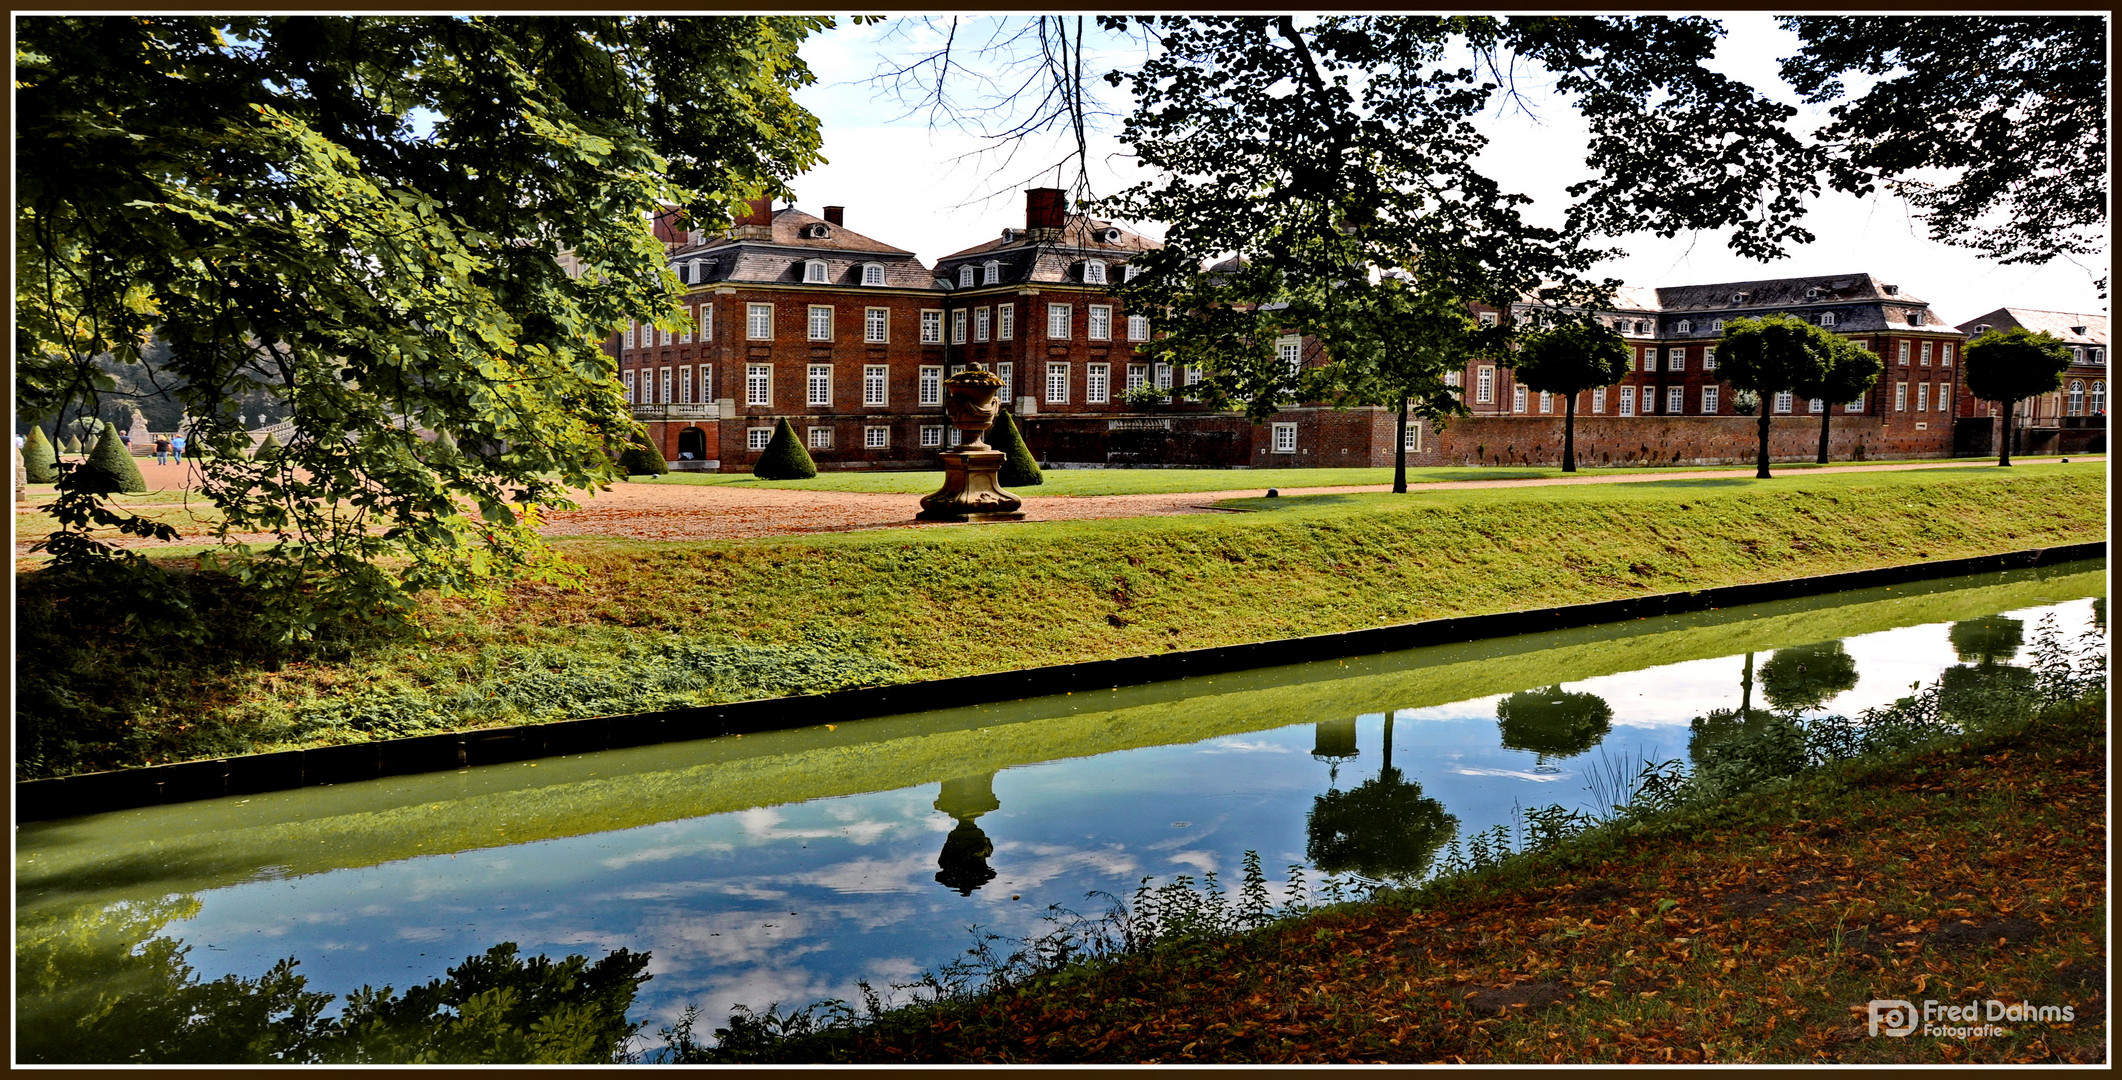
(1176, 481)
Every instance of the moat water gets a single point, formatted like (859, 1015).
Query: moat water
(785, 867)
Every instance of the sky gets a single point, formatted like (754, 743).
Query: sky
(907, 184)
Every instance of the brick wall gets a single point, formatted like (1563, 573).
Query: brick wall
(1674, 440)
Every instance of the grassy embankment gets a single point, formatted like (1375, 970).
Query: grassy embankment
(1751, 930)
(661, 624)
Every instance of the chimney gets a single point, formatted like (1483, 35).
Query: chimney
(1043, 213)
(756, 222)
(836, 215)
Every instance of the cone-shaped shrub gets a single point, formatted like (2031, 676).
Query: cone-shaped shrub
(1019, 468)
(784, 457)
(443, 451)
(39, 463)
(70, 445)
(641, 459)
(268, 448)
(111, 458)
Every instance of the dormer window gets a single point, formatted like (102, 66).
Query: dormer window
(1813, 293)
(991, 274)
(1127, 272)
(1094, 272)
(1717, 326)
(817, 231)
(1982, 328)
(1642, 327)
(2078, 330)
(1738, 298)
(1827, 318)
(814, 272)
(965, 276)
(1915, 318)
(1683, 327)
(872, 273)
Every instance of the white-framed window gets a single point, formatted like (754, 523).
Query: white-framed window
(665, 335)
(665, 399)
(1904, 354)
(1816, 406)
(1628, 401)
(1924, 354)
(1411, 440)
(758, 384)
(1683, 327)
(1290, 351)
(1598, 399)
(814, 272)
(631, 399)
(957, 327)
(685, 336)
(1128, 272)
(1783, 400)
(707, 381)
(821, 322)
(1716, 326)
(1137, 376)
(1057, 320)
(1827, 318)
(1164, 376)
(872, 273)
(821, 438)
(1547, 402)
(1484, 385)
(983, 323)
(1709, 358)
(2099, 396)
(1915, 318)
(876, 437)
(759, 322)
(1005, 321)
(1488, 318)
(1094, 272)
(876, 381)
(685, 385)
(876, 325)
(1007, 372)
(1097, 384)
(707, 322)
(818, 388)
(1455, 377)
(1856, 405)
(1517, 398)
(931, 384)
(1285, 438)
(931, 326)
(629, 340)
(1900, 397)
(1649, 357)
(965, 276)
(1676, 359)
(1945, 354)
(1675, 400)
(1057, 384)
(931, 435)
(757, 438)
(1138, 328)
(1101, 322)
(1642, 326)
(1922, 397)
(1709, 401)
(991, 272)
(954, 436)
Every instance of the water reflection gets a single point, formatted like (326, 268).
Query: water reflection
(1988, 640)
(967, 849)
(1990, 687)
(1385, 829)
(1553, 723)
(1806, 676)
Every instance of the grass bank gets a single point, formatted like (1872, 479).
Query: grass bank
(658, 625)
(1750, 930)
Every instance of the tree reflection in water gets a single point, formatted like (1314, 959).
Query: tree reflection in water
(1553, 723)
(1806, 676)
(1989, 689)
(1384, 829)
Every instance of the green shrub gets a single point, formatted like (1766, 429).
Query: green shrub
(443, 451)
(39, 463)
(268, 449)
(115, 462)
(784, 457)
(71, 445)
(642, 459)
(1019, 468)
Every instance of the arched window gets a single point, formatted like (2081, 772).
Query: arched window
(991, 274)
(814, 272)
(965, 276)
(1093, 272)
(2099, 397)
(872, 273)
(2077, 397)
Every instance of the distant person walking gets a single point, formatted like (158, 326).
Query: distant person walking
(176, 449)
(126, 438)
(161, 449)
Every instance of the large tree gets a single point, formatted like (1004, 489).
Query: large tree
(2008, 366)
(1770, 355)
(1569, 359)
(388, 223)
(1851, 369)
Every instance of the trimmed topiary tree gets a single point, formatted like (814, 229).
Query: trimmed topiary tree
(784, 457)
(1019, 468)
(1569, 360)
(2009, 366)
(111, 459)
(642, 459)
(268, 448)
(71, 446)
(39, 462)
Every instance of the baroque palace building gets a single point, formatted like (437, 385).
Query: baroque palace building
(791, 316)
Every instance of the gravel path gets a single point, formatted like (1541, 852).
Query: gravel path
(650, 511)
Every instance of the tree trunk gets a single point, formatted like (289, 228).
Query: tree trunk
(1746, 687)
(1761, 461)
(2004, 436)
(1827, 409)
(1400, 451)
(1388, 743)
(1569, 434)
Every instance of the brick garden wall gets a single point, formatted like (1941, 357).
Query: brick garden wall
(1674, 440)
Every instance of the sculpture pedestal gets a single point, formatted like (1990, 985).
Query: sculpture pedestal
(971, 491)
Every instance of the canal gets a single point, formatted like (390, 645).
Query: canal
(784, 867)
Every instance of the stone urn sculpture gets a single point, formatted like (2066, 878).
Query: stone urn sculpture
(971, 487)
